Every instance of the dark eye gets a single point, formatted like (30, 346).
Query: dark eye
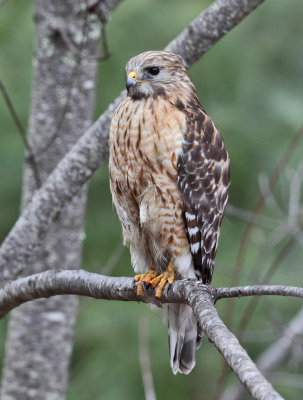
(153, 70)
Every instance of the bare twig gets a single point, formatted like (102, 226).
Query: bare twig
(198, 296)
(245, 216)
(246, 236)
(259, 290)
(288, 379)
(113, 259)
(274, 316)
(273, 356)
(269, 199)
(30, 157)
(146, 371)
(249, 310)
(277, 352)
(91, 149)
(295, 196)
(103, 7)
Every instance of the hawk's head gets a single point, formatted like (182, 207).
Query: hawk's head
(156, 73)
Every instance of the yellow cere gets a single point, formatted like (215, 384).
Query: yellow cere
(132, 75)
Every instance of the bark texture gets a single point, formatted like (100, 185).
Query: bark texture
(52, 283)
(92, 148)
(40, 334)
(259, 290)
(272, 357)
(209, 27)
(199, 297)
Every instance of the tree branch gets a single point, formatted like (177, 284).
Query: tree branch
(273, 179)
(273, 356)
(209, 27)
(81, 282)
(86, 155)
(199, 297)
(259, 290)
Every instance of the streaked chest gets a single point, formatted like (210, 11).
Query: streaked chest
(146, 138)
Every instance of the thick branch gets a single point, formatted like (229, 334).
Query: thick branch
(80, 282)
(229, 346)
(51, 283)
(91, 149)
(200, 297)
(209, 27)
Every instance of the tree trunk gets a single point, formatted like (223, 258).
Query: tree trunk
(40, 333)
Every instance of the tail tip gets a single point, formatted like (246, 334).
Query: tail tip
(178, 366)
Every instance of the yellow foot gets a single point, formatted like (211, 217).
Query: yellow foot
(168, 276)
(144, 278)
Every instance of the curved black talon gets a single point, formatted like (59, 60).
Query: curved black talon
(145, 286)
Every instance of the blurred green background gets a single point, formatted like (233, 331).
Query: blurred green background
(251, 84)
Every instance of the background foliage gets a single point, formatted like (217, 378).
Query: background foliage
(251, 85)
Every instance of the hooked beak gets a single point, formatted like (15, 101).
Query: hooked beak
(130, 82)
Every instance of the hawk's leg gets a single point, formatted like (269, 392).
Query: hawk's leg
(168, 276)
(144, 279)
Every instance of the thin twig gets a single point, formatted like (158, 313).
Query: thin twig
(288, 379)
(260, 201)
(144, 358)
(274, 316)
(249, 310)
(295, 196)
(30, 157)
(273, 356)
(269, 199)
(246, 239)
(259, 290)
(246, 216)
(112, 261)
(107, 269)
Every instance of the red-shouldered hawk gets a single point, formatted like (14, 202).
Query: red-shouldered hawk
(169, 178)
